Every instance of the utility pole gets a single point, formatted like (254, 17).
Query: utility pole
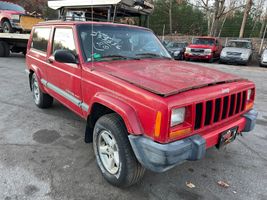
(245, 17)
(170, 15)
(262, 40)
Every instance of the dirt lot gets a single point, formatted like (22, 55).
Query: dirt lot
(43, 156)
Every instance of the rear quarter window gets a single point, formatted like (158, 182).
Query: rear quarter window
(40, 38)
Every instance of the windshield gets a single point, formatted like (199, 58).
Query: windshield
(10, 6)
(203, 41)
(102, 42)
(176, 45)
(239, 44)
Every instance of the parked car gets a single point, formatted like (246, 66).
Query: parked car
(203, 48)
(237, 51)
(165, 42)
(177, 49)
(263, 60)
(8, 12)
(143, 110)
(13, 18)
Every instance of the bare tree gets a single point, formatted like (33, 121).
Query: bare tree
(245, 17)
(217, 12)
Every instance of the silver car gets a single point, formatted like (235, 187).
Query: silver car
(237, 51)
(263, 60)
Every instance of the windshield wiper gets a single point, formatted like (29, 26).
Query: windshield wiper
(152, 55)
(120, 57)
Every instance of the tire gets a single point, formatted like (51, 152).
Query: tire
(6, 27)
(41, 99)
(2, 49)
(6, 49)
(211, 60)
(110, 134)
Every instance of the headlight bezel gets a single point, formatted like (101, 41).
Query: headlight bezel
(179, 114)
(223, 53)
(245, 55)
(187, 50)
(249, 94)
(15, 17)
(207, 51)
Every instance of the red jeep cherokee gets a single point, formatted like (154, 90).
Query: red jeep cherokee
(143, 109)
(204, 48)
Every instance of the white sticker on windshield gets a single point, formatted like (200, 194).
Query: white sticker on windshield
(104, 42)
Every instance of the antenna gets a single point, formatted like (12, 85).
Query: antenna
(92, 29)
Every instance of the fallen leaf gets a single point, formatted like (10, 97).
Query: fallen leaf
(223, 184)
(190, 185)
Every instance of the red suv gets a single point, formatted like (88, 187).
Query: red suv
(143, 110)
(204, 48)
(9, 14)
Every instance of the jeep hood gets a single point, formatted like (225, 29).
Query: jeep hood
(164, 77)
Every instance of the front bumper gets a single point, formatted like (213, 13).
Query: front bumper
(16, 24)
(233, 60)
(161, 157)
(197, 56)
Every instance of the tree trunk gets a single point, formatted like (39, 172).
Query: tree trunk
(222, 25)
(245, 17)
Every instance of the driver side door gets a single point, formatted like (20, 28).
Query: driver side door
(65, 78)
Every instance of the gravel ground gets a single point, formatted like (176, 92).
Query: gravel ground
(43, 156)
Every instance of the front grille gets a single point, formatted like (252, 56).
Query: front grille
(197, 50)
(233, 53)
(219, 109)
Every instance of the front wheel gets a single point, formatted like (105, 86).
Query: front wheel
(113, 152)
(41, 99)
(7, 28)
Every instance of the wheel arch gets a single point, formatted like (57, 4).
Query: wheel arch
(104, 104)
(35, 70)
(4, 19)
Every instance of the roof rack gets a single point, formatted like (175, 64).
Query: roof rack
(102, 10)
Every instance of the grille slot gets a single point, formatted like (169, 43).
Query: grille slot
(216, 110)
(208, 113)
(198, 115)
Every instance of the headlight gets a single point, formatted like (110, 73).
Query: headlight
(245, 55)
(187, 50)
(15, 17)
(249, 94)
(223, 53)
(177, 116)
(176, 53)
(207, 51)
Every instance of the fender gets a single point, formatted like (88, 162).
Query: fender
(38, 73)
(127, 113)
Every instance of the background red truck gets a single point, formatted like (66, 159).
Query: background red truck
(8, 13)
(204, 48)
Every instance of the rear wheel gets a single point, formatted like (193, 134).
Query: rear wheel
(4, 49)
(41, 99)
(113, 152)
(7, 28)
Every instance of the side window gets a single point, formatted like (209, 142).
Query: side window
(40, 38)
(217, 43)
(64, 40)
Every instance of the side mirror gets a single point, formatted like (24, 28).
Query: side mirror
(65, 56)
